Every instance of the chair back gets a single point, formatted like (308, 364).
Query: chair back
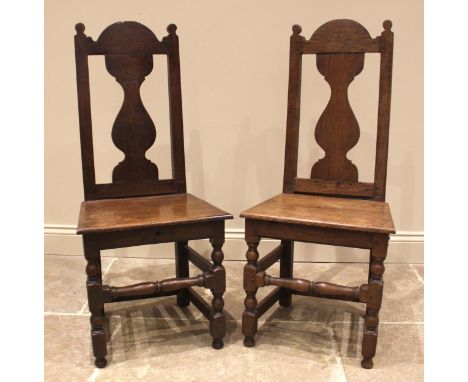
(340, 47)
(128, 48)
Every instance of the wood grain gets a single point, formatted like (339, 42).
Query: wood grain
(143, 212)
(137, 208)
(337, 129)
(332, 207)
(128, 49)
(341, 36)
(333, 187)
(269, 259)
(313, 234)
(311, 288)
(383, 116)
(154, 235)
(150, 289)
(133, 131)
(322, 211)
(340, 46)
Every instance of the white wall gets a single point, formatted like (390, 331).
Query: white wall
(234, 63)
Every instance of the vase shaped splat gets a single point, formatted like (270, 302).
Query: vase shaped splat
(337, 130)
(133, 131)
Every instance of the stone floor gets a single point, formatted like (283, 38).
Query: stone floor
(313, 340)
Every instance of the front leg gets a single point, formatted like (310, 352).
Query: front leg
(249, 317)
(374, 299)
(218, 320)
(96, 304)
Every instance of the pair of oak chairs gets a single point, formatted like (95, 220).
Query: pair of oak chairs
(331, 207)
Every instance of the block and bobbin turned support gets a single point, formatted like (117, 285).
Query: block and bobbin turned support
(249, 317)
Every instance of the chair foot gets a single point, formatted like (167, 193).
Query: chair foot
(217, 344)
(183, 300)
(100, 362)
(249, 342)
(285, 302)
(367, 363)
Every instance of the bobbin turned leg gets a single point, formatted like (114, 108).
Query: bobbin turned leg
(182, 271)
(249, 317)
(100, 280)
(374, 299)
(96, 305)
(286, 270)
(218, 319)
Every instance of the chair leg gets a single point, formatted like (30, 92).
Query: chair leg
(182, 271)
(100, 280)
(249, 317)
(96, 305)
(218, 319)
(286, 270)
(374, 300)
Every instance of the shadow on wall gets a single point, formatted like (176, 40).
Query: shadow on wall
(405, 187)
(254, 177)
(196, 174)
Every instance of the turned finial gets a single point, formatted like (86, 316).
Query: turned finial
(80, 28)
(171, 28)
(387, 24)
(297, 29)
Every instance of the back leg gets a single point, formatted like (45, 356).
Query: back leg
(182, 271)
(286, 270)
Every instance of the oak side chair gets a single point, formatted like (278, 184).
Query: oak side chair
(332, 207)
(137, 208)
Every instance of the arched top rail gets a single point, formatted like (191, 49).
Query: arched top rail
(126, 37)
(342, 36)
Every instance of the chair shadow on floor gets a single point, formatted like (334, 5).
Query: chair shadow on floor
(308, 326)
(318, 328)
(157, 327)
(146, 328)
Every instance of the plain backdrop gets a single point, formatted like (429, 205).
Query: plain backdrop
(234, 68)
(445, 139)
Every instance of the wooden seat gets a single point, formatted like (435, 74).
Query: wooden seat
(138, 208)
(327, 212)
(144, 212)
(332, 206)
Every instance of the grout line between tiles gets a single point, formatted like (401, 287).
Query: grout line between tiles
(417, 273)
(66, 314)
(168, 318)
(339, 360)
(345, 322)
(81, 311)
(114, 259)
(402, 322)
(116, 330)
(93, 375)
